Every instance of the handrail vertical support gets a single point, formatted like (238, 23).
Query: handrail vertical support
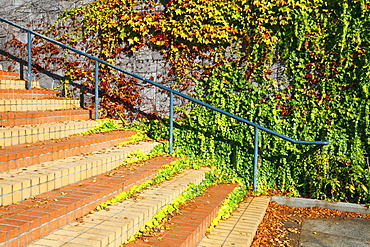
(29, 57)
(96, 90)
(171, 122)
(255, 159)
(172, 93)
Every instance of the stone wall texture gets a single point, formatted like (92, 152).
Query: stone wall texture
(38, 14)
(35, 15)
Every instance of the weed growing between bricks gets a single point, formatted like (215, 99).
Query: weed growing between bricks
(175, 218)
(137, 158)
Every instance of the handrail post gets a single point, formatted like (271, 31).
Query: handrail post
(172, 92)
(171, 122)
(255, 159)
(96, 89)
(29, 55)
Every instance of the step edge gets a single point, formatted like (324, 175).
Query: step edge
(135, 226)
(71, 213)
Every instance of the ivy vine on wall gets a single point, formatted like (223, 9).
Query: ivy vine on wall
(300, 68)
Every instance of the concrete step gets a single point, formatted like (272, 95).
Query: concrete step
(35, 133)
(37, 104)
(19, 184)
(31, 219)
(42, 117)
(23, 155)
(122, 220)
(27, 94)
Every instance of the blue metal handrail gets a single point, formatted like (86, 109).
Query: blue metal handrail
(171, 91)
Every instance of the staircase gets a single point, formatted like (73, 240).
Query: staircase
(52, 179)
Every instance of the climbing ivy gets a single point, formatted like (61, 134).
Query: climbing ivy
(300, 68)
(338, 171)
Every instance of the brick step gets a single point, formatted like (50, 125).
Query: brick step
(27, 221)
(35, 133)
(7, 105)
(189, 227)
(7, 75)
(22, 155)
(11, 80)
(9, 83)
(27, 94)
(241, 227)
(114, 226)
(42, 117)
(18, 184)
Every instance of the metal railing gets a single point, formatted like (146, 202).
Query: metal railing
(171, 91)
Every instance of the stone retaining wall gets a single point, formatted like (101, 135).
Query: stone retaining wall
(146, 62)
(37, 15)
